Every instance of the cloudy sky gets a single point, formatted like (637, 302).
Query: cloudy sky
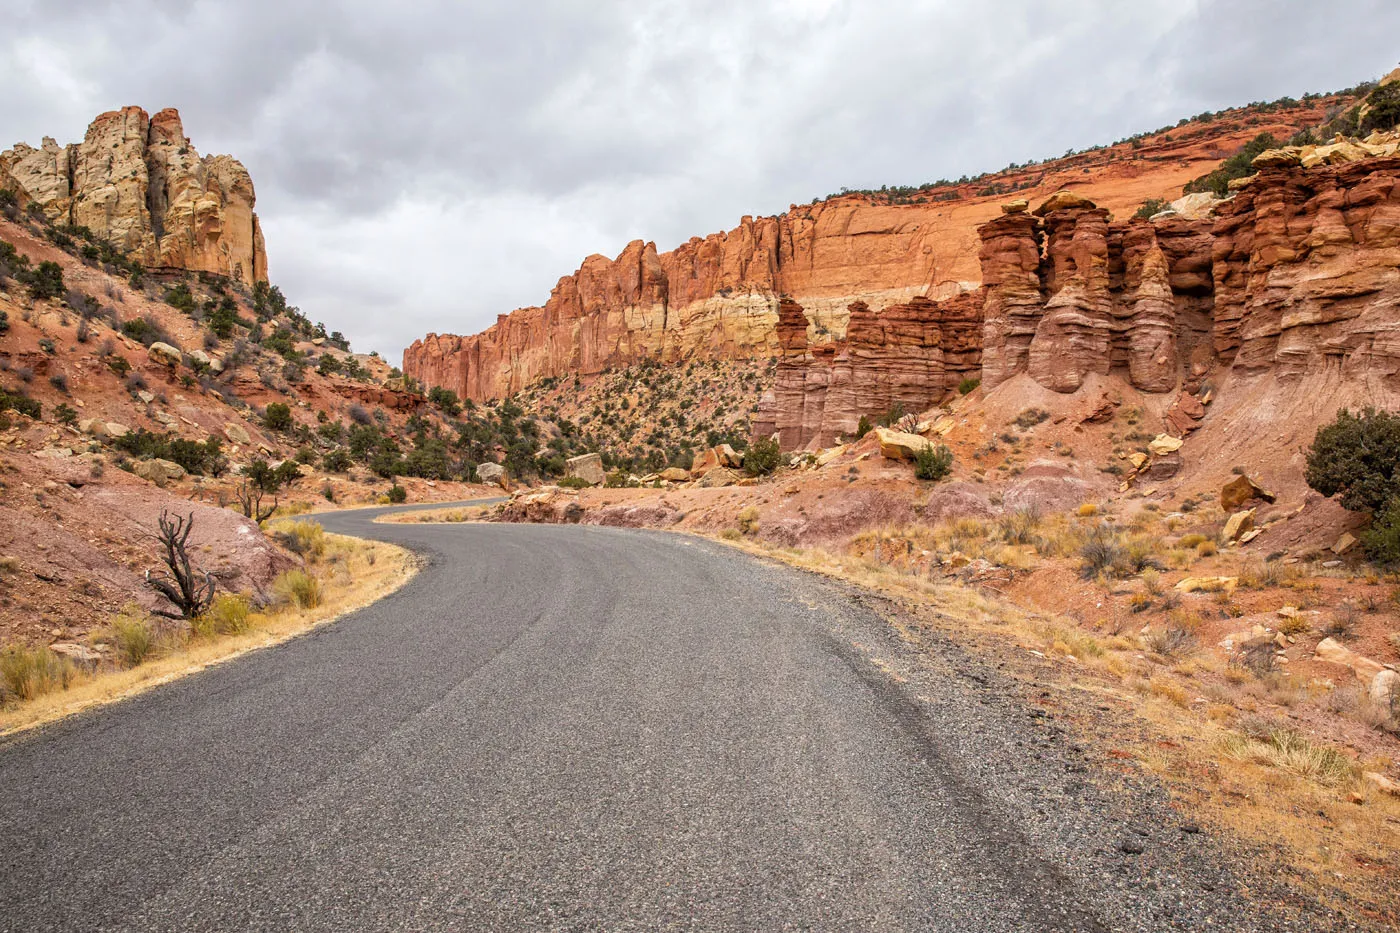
(427, 165)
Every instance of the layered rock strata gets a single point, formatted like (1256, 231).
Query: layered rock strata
(717, 297)
(137, 181)
(907, 356)
(1297, 275)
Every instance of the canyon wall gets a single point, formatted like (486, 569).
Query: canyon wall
(1296, 275)
(716, 297)
(721, 296)
(137, 181)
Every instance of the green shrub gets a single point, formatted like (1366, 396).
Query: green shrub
(180, 297)
(863, 427)
(299, 588)
(968, 385)
(1150, 207)
(278, 416)
(574, 482)
(306, 538)
(397, 494)
(1357, 456)
(762, 457)
(1238, 165)
(30, 672)
(336, 461)
(44, 280)
(1382, 540)
(933, 462)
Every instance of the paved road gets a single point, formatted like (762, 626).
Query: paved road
(561, 728)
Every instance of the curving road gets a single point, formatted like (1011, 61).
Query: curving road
(584, 729)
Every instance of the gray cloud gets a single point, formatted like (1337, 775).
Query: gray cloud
(427, 166)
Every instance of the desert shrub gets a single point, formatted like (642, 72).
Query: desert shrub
(748, 520)
(44, 280)
(180, 297)
(299, 588)
(1384, 109)
(30, 672)
(1173, 641)
(1381, 540)
(1030, 417)
(933, 462)
(306, 538)
(574, 482)
(358, 414)
(278, 416)
(1150, 207)
(65, 413)
(1255, 656)
(229, 614)
(133, 635)
(1357, 456)
(1101, 552)
(16, 401)
(762, 457)
(863, 426)
(336, 461)
(968, 385)
(397, 494)
(1019, 526)
(1237, 166)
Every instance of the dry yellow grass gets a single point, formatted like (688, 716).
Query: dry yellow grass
(352, 574)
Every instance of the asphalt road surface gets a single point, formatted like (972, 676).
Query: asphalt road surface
(576, 728)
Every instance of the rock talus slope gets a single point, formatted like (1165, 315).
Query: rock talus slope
(137, 181)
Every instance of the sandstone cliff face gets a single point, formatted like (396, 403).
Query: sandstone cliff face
(909, 355)
(717, 297)
(137, 181)
(1297, 276)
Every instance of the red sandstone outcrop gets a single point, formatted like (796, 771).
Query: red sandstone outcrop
(138, 182)
(908, 355)
(1298, 275)
(716, 297)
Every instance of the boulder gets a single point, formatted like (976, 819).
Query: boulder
(117, 429)
(1236, 525)
(729, 457)
(1018, 206)
(673, 475)
(830, 454)
(202, 358)
(1164, 444)
(1278, 158)
(491, 473)
(1198, 206)
(587, 467)
(158, 471)
(718, 476)
(164, 354)
(897, 445)
(1241, 489)
(145, 396)
(1345, 543)
(1381, 783)
(93, 426)
(1063, 200)
(1164, 467)
(1334, 652)
(236, 433)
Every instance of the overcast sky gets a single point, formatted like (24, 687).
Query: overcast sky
(427, 165)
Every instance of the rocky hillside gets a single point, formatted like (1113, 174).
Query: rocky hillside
(127, 389)
(137, 182)
(719, 296)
